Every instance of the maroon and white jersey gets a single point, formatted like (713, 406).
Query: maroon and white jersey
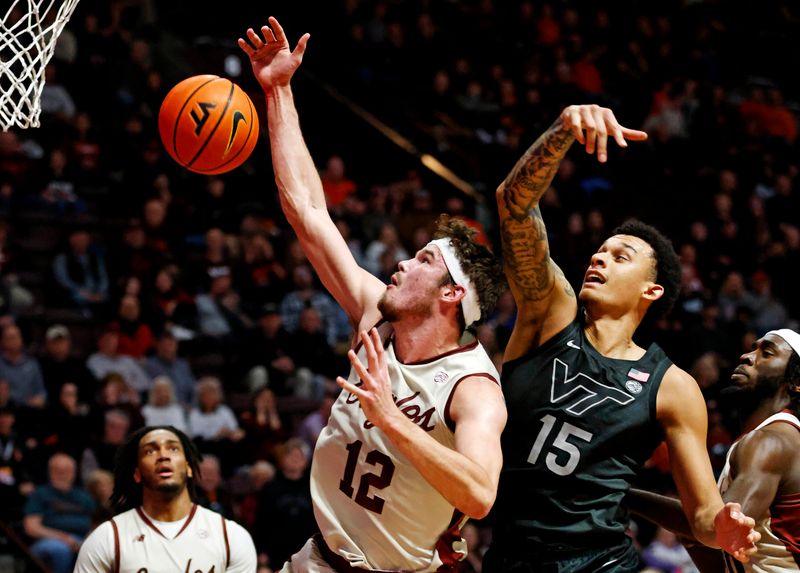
(779, 548)
(203, 541)
(372, 506)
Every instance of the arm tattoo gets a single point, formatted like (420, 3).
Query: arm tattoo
(525, 247)
(527, 255)
(533, 173)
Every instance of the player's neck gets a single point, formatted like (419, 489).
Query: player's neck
(764, 410)
(162, 508)
(417, 340)
(613, 336)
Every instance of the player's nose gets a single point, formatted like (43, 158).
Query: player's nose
(597, 260)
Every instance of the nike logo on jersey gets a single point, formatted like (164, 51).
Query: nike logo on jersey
(590, 392)
(571, 344)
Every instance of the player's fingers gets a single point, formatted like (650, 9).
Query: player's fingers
(254, 38)
(602, 135)
(377, 344)
(280, 35)
(589, 126)
(574, 120)
(633, 134)
(345, 385)
(300, 48)
(614, 128)
(269, 35)
(369, 349)
(245, 47)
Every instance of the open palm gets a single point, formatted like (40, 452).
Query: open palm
(273, 62)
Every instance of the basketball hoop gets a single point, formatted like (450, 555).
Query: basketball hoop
(28, 33)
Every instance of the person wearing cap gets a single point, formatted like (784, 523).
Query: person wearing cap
(59, 366)
(587, 405)
(413, 443)
(762, 469)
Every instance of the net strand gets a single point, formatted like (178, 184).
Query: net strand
(29, 30)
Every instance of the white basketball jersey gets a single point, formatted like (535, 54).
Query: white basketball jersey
(372, 505)
(777, 529)
(201, 545)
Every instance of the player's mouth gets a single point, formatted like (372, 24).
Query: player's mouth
(740, 372)
(164, 473)
(593, 277)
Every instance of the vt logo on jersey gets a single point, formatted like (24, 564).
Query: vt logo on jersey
(589, 391)
(199, 122)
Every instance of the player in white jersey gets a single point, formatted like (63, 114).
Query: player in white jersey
(417, 442)
(161, 528)
(762, 470)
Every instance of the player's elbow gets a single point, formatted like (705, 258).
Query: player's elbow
(478, 505)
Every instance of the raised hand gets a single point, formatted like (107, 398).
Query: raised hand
(375, 391)
(734, 532)
(592, 125)
(273, 62)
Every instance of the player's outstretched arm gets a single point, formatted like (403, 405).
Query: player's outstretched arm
(301, 193)
(545, 307)
(681, 411)
(467, 477)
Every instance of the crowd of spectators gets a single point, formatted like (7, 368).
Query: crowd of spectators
(133, 292)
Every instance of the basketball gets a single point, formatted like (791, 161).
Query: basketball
(208, 124)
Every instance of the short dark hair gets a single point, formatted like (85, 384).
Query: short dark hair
(478, 262)
(667, 264)
(127, 493)
(791, 378)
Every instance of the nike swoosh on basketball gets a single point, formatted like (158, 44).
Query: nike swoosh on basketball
(237, 117)
(572, 344)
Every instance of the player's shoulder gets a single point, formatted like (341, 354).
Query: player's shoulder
(770, 448)
(679, 396)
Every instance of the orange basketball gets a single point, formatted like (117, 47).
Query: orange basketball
(208, 124)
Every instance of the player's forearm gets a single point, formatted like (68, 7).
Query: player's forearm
(659, 509)
(531, 176)
(703, 524)
(295, 173)
(458, 479)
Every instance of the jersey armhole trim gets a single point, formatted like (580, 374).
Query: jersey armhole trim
(227, 543)
(115, 567)
(447, 419)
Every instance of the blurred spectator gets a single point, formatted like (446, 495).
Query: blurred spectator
(101, 453)
(135, 256)
(21, 370)
(108, 360)
(259, 276)
(166, 362)
(305, 295)
(171, 307)
(313, 423)
(213, 424)
(219, 309)
(19, 298)
(58, 516)
(66, 412)
(266, 357)
(58, 186)
(335, 184)
(14, 481)
(666, 554)
(135, 337)
(768, 312)
(80, 272)
(212, 490)
(56, 101)
(59, 366)
(100, 485)
(285, 518)
(310, 349)
(161, 409)
(262, 426)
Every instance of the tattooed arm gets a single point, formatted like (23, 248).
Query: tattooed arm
(545, 301)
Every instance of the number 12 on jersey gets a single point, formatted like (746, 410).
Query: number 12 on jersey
(368, 480)
(561, 443)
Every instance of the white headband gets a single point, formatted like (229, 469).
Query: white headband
(469, 304)
(790, 336)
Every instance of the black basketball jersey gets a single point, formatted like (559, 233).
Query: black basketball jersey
(579, 427)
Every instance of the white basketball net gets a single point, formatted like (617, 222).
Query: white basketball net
(28, 33)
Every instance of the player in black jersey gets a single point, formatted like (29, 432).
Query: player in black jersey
(586, 405)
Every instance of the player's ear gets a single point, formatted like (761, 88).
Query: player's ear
(137, 476)
(454, 293)
(653, 292)
(189, 470)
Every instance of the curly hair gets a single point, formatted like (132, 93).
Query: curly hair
(791, 377)
(667, 268)
(478, 263)
(127, 493)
